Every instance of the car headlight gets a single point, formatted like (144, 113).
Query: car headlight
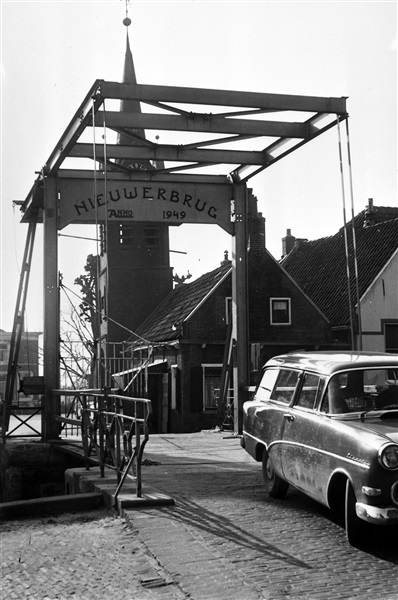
(388, 456)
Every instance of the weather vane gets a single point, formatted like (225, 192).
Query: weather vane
(127, 20)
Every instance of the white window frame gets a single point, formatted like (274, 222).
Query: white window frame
(271, 309)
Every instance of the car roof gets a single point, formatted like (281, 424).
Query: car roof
(331, 362)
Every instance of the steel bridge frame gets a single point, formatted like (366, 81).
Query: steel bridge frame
(222, 118)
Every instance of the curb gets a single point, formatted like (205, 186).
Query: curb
(81, 480)
(35, 507)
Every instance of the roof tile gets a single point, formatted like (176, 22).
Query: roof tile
(164, 324)
(320, 267)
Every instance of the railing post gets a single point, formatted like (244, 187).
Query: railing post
(85, 435)
(102, 429)
(118, 430)
(137, 452)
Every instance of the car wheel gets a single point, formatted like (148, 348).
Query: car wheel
(354, 526)
(275, 486)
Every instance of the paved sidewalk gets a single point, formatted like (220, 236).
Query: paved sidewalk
(224, 539)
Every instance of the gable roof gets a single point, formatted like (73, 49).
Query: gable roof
(319, 266)
(165, 323)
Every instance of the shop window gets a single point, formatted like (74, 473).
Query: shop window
(280, 311)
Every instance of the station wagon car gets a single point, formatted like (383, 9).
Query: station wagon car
(327, 424)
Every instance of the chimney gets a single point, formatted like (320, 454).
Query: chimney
(256, 226)
(288, 243)
(226, 260)
(369, 214)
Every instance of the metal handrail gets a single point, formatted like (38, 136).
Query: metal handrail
(116, 427)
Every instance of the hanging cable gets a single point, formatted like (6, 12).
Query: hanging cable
(106, 290)
(148, 342)
(144, 364)
(354, 242)
(346, 236)
(15, 240)
(100, 362)
(97, 274)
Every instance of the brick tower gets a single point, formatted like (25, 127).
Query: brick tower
(135, 272)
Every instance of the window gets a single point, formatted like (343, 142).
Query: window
(4, 351)
(228, 309)
(211, 386)
(361, 390)
(285, 386)
(266, 385)
(312, 384)
(255, 357)
(151, 237)
(280, 311)
(102, 238)
(127, 233)
(103, 306)
(391, 337)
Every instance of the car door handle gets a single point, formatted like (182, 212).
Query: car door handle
(288, 417)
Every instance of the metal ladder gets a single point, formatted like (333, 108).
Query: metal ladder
(226, 418)
(17, 328)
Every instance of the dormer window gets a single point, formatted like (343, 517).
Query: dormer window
(280, 311)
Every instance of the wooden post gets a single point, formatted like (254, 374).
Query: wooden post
(240, 305)
(50, 427)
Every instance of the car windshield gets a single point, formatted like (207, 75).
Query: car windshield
(361, 390)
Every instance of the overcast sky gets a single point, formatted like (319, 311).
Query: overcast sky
(53, 51)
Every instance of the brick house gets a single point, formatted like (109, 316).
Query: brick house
(182, 343)
(319, 268)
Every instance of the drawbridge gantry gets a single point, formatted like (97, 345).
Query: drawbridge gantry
(219, 124)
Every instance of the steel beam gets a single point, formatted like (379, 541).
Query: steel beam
(168, 153)
(50, 428)
(276, 102)
(139, 176)
(202, 123)
(269, 159)
(79, 122)
(240, 320)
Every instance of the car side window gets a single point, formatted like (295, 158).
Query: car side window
(266, 386)
(285, 386)
(309, 391)
(334, 400)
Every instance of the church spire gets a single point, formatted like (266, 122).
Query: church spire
(129, 77)
(132, 136)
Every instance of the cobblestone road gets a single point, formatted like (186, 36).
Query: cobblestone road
(223, 540)
(80, 556)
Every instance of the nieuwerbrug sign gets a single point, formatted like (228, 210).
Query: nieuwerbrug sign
(85, 201)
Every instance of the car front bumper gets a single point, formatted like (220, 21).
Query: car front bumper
(377, 515)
